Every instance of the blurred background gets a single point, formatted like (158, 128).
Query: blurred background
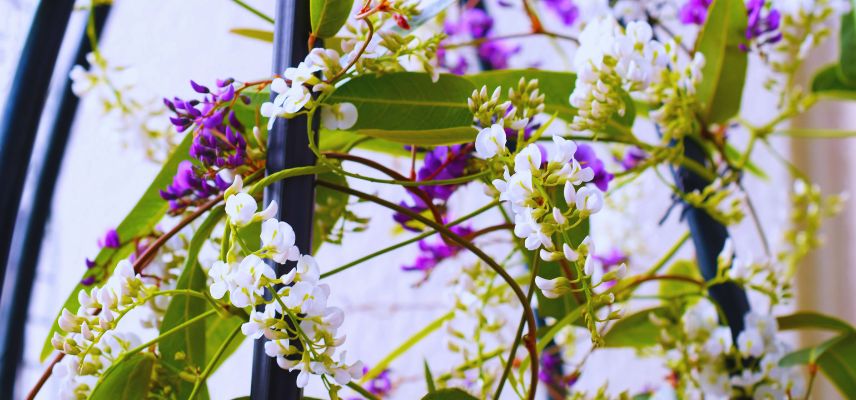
(167, 43)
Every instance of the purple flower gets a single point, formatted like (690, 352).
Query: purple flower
(89, 280)
(566, 10)
(694, 12)
(497, 53)
(380, 386)
(219, 144)
(111, 240)
(763, 27)
(90, 263)
(433, 253)
(633, 157)
(474, 21)
(613, 258)
(588, 158)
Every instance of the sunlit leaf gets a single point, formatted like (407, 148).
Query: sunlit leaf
(126, 380)
(328, 16)
(258, 34)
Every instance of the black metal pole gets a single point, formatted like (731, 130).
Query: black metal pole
(24, 254)
(288, 146)
(24, 109)
(709, 238)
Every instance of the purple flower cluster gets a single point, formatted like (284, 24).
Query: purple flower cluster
(763, 26)
(611, 260)
(111, 240)
(566, 10)
(588, 158)
(433, 253)
(477, 24)
(218, 145)
(441, 163)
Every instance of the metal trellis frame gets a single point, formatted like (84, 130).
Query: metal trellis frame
(24, 252)
(288, 147)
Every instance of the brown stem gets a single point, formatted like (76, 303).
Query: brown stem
(487, 230)
(44, 378)
(358, 55)
(392, 174)
(530, 337)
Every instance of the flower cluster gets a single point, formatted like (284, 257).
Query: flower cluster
(219, 145)
(706, 360)
(475, 24)
(89, 337)
(300, 327)
(431, 254)
(610, 63)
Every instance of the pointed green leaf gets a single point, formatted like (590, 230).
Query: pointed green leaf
(812, 320)
(138, 223)
(829, 82)
(635, 330)
(126, 380)
(258, 34)
(328, 16)
(721, 88)
(429, 379)
(847, 43)
(449, 394)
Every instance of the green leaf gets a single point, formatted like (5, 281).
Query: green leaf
(635, 330)
(219, 329)
(734, 155)
(191, 340)
(449, 394)
(724, 72)
(847, 42)
(810, 354)
(829, 82)
(328, 16)
(812, 320)
(429, 379)
(407, 107)
(835, 357)
(688, 268)
(345, 141)
(138, 223)
(126, 380)
(258, 34)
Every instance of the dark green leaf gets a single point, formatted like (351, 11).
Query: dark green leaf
(138, 223)
(449, 394)
(409, 108)
(724, 72)
(812, 320)
(835, 357)
(847, 57)
(635, 330)
(829, 82)
(258, 34)
(810, 354)
(429, 379)
(190, 341)
(219, 329)
(126, 380)
(328, 16)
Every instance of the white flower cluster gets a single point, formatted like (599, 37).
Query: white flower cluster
(297, 315)
(610, 63)
(293, 92)
(805, 24)
(88, 342)
(707, 347)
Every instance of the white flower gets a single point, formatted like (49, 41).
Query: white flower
(565, 150)
(303, 73)
(519, 189)
(570, 193)
(570, 254)
(340, 116)
(278, 239)
(307, 298)
(589, 199)
(700, 320)
(240, 208)
(259, 322)
(719, 342)
(219, 272)
(750, 342)
(553, 288)
(528, 159)
(490, 141)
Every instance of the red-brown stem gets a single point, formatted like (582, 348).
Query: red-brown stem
(392, 174)
(44, 378)
(449, 160)
(489, 229)
(359, 53)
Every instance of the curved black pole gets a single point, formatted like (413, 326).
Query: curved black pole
(288, 146)
(20, 119)
(709, 237)
(24, 253)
